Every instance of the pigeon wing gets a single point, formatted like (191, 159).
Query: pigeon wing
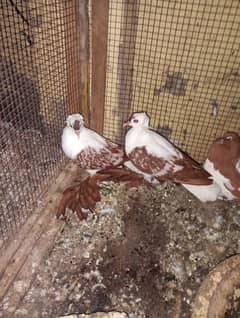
(106, 157)
(180, 170)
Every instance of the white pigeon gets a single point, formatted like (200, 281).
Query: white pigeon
(223, 163)
(92, 151)
(155, 156)
(100, 157)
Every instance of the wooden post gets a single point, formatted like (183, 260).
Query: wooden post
(99, 57)
(77, 57)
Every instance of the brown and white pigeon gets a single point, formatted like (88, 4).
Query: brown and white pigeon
(100, 157)
(92, 151)
(154, 155)
(223, 163)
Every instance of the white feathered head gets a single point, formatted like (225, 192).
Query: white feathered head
(140, 119)
(75, 121)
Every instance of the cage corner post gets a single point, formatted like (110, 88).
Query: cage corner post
(100, 11)
(77, 52)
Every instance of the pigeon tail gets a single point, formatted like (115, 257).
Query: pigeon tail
(86, 193)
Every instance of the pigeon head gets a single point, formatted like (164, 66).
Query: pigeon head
(231, 135)
(138, 120)
(75, 121)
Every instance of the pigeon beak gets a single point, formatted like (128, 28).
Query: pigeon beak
(76, 125)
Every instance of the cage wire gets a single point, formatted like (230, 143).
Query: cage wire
(179, 61)
(36, 37)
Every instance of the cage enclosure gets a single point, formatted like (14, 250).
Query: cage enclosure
(176, 60)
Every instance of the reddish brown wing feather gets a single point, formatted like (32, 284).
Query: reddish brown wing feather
(225, 155)
(65, 202)
(191, 172)
(110, 156)
(87, 193)
(115, 148)
(126, 176)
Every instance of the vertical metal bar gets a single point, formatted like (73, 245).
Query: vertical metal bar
(99, 57)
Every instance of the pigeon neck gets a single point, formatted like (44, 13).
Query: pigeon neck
(134, 137)
(140, 127)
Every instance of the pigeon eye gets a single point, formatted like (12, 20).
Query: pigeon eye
(135, 120)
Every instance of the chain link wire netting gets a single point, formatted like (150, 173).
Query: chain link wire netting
(180, 62)
(35, 47)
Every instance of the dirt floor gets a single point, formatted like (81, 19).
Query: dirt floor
(144, 253)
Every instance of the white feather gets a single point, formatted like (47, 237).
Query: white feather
(177, 168)
(165, 170)
(92, 171)
(154, 143)
(238, 166)
(205, 193)
(222, 181)
(72, 143)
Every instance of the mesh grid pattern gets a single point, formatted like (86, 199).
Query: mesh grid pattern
(35, 47)
(179, 61)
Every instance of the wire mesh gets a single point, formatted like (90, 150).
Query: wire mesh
(34, 69)
(179, 61)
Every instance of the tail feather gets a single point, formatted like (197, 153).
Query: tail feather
(88, 200)
(73, 204)
(67, 196)
(80, 213)
(86, 194)
(130, 178)
(85, 204)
